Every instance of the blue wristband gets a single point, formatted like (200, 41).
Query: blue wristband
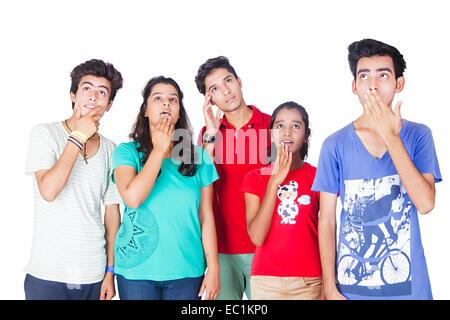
(110, 269)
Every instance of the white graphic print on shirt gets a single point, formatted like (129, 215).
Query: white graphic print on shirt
(287, 208)
(374, 244)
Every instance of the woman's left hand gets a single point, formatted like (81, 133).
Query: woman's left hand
(211, 283)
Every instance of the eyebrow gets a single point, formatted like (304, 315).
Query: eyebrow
(171, 94)
(92, 85)
(228, 76)
(378, 70)
(281, 120)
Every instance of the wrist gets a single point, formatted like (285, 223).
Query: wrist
(158, 152)
(391, 140)
(209, 138)
(211, 132)
(272, 184)
(213, 267)
(109, 270)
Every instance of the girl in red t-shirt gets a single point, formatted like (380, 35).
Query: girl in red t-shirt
(282, 214)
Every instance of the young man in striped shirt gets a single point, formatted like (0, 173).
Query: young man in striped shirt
(70, 163)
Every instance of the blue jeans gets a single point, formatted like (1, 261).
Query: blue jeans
(38, 289)
(180, 289)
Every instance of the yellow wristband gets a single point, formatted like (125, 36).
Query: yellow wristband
(78, 137)
(80, 134)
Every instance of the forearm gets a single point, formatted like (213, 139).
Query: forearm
(327, 247)
(135, 193)
(209, 241)
(259, 226)
(208, 227)
(53, 181)
(327, 243)
(112, 224)
(419, 190)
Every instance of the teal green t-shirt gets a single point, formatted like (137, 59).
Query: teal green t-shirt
(161, 239)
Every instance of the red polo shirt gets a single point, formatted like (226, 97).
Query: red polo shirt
(236, 152)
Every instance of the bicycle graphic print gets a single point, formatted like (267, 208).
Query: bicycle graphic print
(374, 242)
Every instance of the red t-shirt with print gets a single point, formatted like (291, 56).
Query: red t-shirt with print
(291, 248)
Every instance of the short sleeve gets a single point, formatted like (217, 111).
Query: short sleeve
(111, 195)
(425, 158)
(207, 169)
(327, 175)
(253, 183)
(125, 154)
(42, 150)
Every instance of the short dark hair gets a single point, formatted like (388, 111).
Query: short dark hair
(369, 48)
(305, 117)
(206, 68)
(96, 68)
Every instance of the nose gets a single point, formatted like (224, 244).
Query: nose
(287, 132)
(226, 90)
(373, 83)
(93, 97)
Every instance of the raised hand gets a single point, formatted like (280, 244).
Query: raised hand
(282, 165)
(385, 122)
(212, 122)
(162, 134)
(88, 124)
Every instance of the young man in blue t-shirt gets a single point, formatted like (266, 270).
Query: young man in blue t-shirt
(384, 169)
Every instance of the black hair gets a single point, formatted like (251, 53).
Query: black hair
(141, 130)
(96, 68)
(211, 64)
(292, 105)
(369, 48)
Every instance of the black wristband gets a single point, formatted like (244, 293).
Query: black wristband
(75, 142)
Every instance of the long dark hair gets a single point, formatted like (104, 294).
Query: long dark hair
(141, 132)
(305, 117)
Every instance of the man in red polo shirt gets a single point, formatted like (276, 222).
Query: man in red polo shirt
(238, 143)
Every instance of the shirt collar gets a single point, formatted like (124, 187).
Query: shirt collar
(256, 119)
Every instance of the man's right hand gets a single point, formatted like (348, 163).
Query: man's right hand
(212, 122)
(88, 124)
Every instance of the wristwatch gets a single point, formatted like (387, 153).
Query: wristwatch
(208, 139)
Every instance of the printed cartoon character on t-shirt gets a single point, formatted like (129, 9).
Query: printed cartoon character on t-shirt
(287, 208)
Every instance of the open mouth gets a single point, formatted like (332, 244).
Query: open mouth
(165, 112)
(287, 142)
(90, 106)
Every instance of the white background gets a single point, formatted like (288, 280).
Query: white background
(283, 50)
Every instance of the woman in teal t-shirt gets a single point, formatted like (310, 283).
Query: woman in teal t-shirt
(168, 229)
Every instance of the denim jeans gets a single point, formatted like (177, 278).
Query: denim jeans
(38, 289)
(180, 289)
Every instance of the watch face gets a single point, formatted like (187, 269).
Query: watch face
(208, 139)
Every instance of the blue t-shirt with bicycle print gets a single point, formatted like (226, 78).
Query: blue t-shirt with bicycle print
(379, 250)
